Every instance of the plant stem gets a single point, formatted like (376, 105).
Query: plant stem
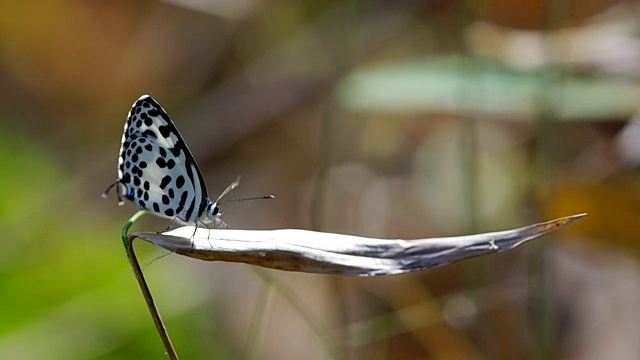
(127, 241)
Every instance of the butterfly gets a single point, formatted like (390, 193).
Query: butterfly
(157, 172)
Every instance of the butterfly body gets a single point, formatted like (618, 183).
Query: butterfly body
(156, 170)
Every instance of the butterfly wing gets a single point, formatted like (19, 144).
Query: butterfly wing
(156, 169)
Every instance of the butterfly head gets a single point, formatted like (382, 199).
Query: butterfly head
(211, 212)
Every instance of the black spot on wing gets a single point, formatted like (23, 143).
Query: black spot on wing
(136, 171)
(165, 130)
(150, 133)
(190, 209)
(183, 200)
(180, 182)
(177, 148)
(165, 181)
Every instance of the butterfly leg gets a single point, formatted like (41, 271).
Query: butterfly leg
(194, 231)
(170, 224)
(208, 231)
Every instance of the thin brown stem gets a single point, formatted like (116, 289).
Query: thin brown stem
(146, 293)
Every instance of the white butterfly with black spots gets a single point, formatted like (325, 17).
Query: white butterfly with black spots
(157, 172)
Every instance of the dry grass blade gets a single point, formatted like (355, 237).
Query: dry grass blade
(327, 253)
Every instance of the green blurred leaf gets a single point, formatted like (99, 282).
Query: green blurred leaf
(473, 86)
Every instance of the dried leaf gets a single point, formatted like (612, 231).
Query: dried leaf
(328, 253)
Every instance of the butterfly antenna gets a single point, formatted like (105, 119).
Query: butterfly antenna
(231, 186)
(248, 198)
(234, 185)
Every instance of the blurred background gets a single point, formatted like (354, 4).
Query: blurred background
(395, 119)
